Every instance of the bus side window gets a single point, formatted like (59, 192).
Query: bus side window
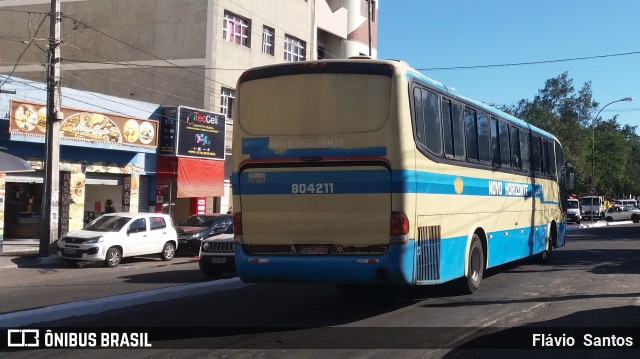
(546, 158)
(427, 120)
(453, 129)
(484, 138)
(525, 151)
(505, 149)
(515, 147)
(535, 156)
(495, 143)
(470, 134)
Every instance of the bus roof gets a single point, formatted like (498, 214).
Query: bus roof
(487, 108)
(378, 67)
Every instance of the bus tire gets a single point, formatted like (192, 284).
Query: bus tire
(545, 255)
(475, 267)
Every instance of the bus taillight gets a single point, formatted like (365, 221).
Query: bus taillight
(237, 227)
(399, 229)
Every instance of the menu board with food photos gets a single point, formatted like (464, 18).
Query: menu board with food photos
(30, 119)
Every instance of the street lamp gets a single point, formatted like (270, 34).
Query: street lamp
(593, 146)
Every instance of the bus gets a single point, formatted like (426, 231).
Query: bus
(366, 172)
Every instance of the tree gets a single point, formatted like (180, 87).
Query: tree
(557, 109)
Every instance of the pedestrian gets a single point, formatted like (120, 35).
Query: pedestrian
(109, 208)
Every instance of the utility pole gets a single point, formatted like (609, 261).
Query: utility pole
(51, 191)
(369, 23)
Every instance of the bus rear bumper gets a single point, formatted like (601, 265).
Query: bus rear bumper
(391, 268)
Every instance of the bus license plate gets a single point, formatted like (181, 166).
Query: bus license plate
(315, 249)
(218, 260)
(69, 251)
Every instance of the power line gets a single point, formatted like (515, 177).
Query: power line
(529, 62)
(23, 52)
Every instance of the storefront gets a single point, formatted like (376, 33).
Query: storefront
(191, 163)
(102, 156)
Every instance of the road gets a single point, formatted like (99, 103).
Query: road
(34, 287)
(591, 285)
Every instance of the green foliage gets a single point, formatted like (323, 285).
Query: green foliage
(569, 115)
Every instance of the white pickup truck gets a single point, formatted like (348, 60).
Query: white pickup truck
(574, 212)
(593, 206)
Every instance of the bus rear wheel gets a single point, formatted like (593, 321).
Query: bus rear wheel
(475, 267)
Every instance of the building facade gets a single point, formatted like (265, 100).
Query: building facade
(172, 53)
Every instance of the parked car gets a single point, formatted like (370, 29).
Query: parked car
(623, 213)
(626, 202)
(114, 236)
(574, 211)
(217, 254)
(193, 229)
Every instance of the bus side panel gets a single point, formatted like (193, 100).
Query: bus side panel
(453, 249)
(522, 243)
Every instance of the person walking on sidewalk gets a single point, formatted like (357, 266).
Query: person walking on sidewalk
(109, 208)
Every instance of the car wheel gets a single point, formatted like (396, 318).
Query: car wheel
(475, 267)
(578, 222)
(635, 218)
(168, 251)
(113, 258)
(213, 274)
(609, 219)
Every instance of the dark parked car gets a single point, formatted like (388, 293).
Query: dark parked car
(217, 255)
(195, 228)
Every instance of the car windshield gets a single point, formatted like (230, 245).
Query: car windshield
(587, 201)
(572, 204)
(108, 224)
(198, 221)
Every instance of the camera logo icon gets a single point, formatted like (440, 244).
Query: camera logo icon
(23, 338)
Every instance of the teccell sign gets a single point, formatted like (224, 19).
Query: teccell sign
(200, 133)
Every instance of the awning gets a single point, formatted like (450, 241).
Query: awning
(200, 178)
(11, 163)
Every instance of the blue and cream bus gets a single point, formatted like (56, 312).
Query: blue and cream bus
(365, 171)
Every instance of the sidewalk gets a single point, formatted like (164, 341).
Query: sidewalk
(24, 253)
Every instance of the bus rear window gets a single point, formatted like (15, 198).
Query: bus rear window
(314, 104)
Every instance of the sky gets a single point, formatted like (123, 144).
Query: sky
(430, 34)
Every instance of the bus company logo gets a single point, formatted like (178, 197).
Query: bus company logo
(499, 188)
(23, 338)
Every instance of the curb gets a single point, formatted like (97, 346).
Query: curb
(18, 260)
(99, 305)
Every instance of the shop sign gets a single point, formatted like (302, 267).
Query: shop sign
(168, 131)
(65, 201)
(200, 133)
(126, 195)
(28, 118)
